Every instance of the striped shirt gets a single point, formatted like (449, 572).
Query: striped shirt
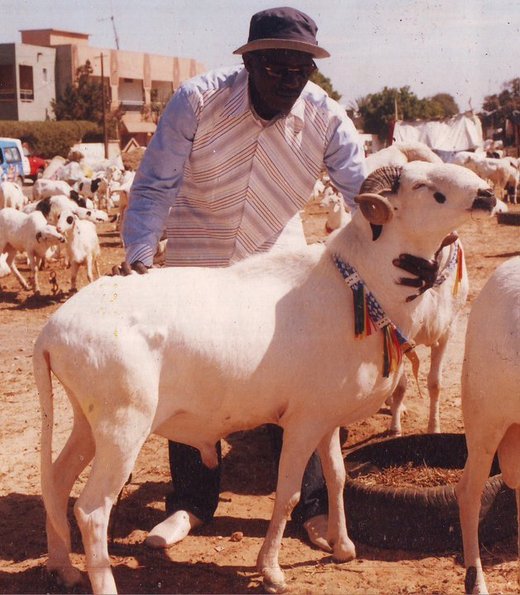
(226, 182)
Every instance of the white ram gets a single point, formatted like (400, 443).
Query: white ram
(490, 405)
(400, 153)
(451, 292)
(501, 173)
(82, 245)
(11, 195)
(194, 354)
(44, 188)
(337, 214)
(26, 233)
(53, 206)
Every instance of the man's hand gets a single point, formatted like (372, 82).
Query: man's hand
(125, 269)
(425, 270)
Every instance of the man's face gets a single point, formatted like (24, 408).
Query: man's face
(277, 77)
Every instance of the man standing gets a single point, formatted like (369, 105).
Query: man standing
(234, 158)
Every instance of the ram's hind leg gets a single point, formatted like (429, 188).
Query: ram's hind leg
(437, 355)
(333, 466)
(75, 456)
(117, 447)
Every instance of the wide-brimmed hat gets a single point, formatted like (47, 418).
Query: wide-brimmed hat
(283, 29)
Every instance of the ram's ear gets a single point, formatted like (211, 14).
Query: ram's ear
(376, 208)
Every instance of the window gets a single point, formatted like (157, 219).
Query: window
(12, 154)
(26, 83)
(7, 83)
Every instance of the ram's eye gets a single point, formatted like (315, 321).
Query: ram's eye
(439, 197)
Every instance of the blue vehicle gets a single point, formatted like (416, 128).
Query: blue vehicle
(11, 164)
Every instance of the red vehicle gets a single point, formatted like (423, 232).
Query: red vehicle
(38, 165)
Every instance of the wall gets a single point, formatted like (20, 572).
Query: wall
(42, 61)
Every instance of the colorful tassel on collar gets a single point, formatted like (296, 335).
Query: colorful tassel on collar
(369, 316)
(455, 262)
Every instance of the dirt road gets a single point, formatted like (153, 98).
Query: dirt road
(209, 561)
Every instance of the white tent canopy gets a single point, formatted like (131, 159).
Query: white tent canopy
(458, 133)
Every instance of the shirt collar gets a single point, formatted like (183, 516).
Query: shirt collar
(238, 103)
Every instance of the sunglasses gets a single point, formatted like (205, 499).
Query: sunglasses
(277, 71)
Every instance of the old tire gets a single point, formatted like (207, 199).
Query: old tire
(422, 519)
(508, 218)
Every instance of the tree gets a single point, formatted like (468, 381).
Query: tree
(448, 104)
(324, 82)
(83, 100)
(380, 110)
(499, 107)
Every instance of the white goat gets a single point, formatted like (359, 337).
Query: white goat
(11, 195)
(400, 153)
(194, 354)
(82, 245)
(26, 233)
(490, 405)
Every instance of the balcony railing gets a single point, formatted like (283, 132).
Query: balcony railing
(27, 94)
(132, 105)
(7, 94)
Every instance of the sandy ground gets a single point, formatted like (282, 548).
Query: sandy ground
(210, 561)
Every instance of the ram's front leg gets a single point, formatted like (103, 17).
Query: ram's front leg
(333, 466)
(34, 266)
(10, 261)
(296, 452)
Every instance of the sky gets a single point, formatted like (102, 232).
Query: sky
(468, 48)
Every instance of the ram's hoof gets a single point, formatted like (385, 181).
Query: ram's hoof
(274, 580)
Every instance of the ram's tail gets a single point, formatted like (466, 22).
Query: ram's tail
(42, 375)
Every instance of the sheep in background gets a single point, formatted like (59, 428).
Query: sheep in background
(11, 195)
(44, 188)
(499, 172)
(82, 245)
(95, 190)
(180, 369)
(122, 190)
(490, 405)
(26, 233)
(400, 153)
(52, 207)
(451, 293)
(437, 330)
(337, 215)
(4, 268)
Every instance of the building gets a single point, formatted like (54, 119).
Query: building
(37, 70)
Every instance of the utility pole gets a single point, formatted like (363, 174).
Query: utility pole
(105, 140)
(115, 32)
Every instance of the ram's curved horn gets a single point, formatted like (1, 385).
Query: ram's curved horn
(375, 207)
(383, 179)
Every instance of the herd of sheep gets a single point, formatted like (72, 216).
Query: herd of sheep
(290, 309)
(59, 213)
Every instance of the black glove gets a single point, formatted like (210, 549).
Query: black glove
(424, 269)
(125, 269)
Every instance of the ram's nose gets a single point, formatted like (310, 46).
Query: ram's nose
(485, 200)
